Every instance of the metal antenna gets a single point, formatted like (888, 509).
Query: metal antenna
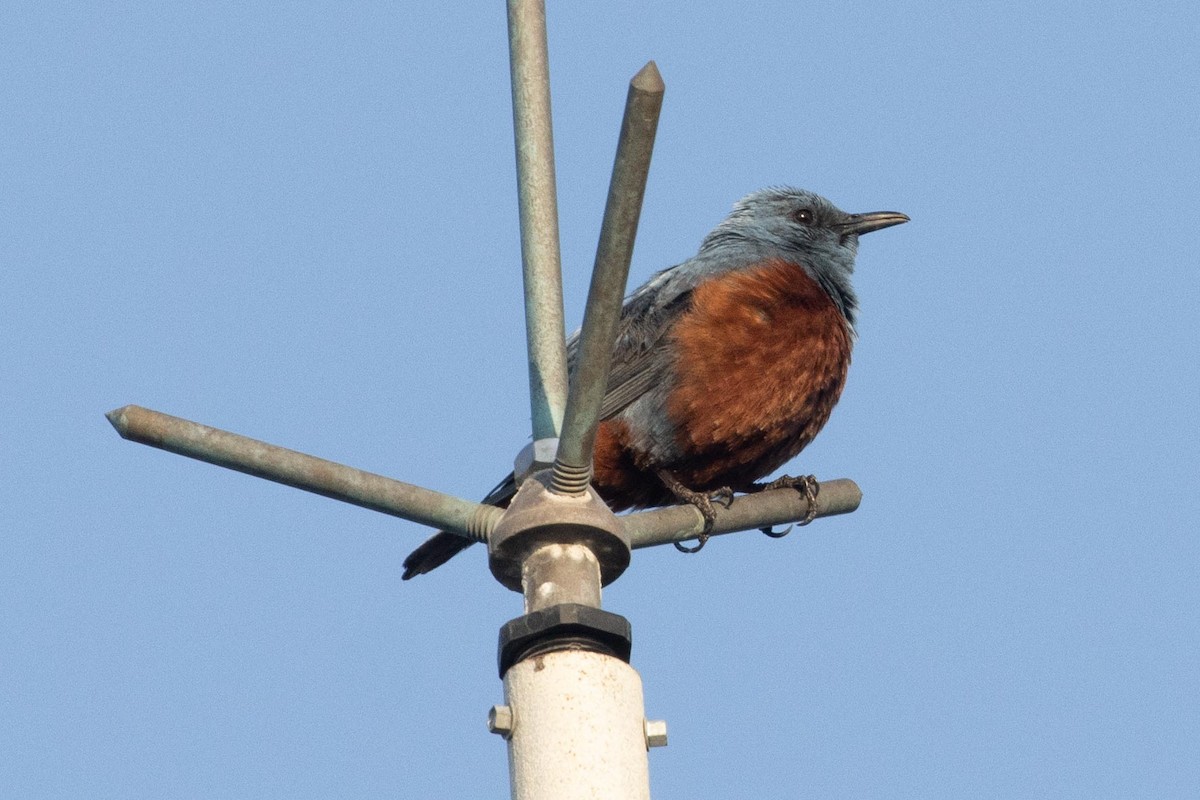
(537, 200)
(573, 713)
(573, 465)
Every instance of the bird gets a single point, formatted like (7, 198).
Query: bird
(726, 365)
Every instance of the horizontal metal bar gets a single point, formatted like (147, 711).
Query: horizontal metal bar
(454, 514)
(748, 512)
(376, 492)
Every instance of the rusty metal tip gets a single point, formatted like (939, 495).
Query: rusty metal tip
(649, 79)
(117, 418)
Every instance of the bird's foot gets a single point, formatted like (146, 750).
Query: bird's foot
(724, 496)
(804, 483)
(703, 503)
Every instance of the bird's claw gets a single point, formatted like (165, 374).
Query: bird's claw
(701, 540)
(806, 484)
(724, 496)
(703, 503)
(774, 534)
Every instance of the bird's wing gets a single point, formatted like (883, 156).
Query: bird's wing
(640, 359)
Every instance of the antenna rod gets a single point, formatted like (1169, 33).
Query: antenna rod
(538, 201)
(436, 509)
(309, 473)
(573, 465)
(760, 510)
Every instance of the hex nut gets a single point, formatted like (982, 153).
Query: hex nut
(656, 733)
(500, 721)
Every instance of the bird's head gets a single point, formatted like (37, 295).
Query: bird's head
(804, 228)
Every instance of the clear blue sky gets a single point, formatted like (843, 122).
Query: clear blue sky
(299, 224)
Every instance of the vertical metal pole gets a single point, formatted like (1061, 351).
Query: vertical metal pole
(573, 718)
(544, 327)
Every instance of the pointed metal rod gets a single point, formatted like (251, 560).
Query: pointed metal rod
(366, 489)
(538, 202)
(589, 381)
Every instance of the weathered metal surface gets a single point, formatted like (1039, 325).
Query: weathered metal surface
(537, 200)
(748, 512)
(309, 473)
(573, 466)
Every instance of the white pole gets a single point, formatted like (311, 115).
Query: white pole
(577, 728)
(574, 715)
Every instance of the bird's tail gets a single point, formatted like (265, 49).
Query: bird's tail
(443, 546)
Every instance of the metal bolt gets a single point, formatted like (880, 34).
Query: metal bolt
(535, 457)
(500, 721)
(656, 733)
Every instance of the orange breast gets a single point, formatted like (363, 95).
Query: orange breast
(763, 356)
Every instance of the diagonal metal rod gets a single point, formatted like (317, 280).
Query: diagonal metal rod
(538, 202)
(589, 382)
(312, 474)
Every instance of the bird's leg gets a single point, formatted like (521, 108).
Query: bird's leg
(702, 501)
(804, 483)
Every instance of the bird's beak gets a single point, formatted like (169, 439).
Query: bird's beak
(874, 221)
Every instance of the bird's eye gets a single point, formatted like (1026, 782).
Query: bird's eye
(804, 216)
